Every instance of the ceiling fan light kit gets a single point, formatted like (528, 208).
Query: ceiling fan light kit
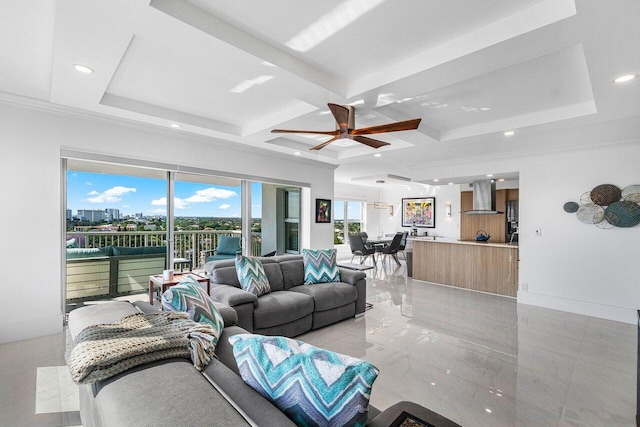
(345, 124)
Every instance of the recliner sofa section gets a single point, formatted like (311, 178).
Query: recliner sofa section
(291, 308)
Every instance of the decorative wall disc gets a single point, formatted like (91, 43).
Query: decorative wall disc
(585, 199)
(604, 224)
(590, 214)
(623, 214)
(571, 207)
(606, 206)
(605, 194)
(631, 193)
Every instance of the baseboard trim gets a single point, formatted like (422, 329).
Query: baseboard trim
(602, 311)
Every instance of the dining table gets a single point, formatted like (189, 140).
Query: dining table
(373, 241)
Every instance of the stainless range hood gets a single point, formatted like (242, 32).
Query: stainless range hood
(484, 198)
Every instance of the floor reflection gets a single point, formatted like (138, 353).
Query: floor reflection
(484, 360)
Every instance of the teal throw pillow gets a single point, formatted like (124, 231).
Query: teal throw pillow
(190, 297)
(312, 386)
(251, 275)
(320, 266)
(228, 245)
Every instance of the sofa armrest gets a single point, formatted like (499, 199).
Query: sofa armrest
(351, 276)
(232, 296)
(145, 307)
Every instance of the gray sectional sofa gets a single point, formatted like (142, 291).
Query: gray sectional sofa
(291, 308)
(171, 392)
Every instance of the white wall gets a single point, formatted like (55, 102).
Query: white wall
(30, 177)
(444, 227)
(573, 266)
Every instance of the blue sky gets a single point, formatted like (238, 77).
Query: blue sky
(132, 194)
(354, 210)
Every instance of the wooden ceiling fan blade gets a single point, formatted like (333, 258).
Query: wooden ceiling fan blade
(391, 127)
(341, 115)
(316, 132)
(324, 144)
(373, 143)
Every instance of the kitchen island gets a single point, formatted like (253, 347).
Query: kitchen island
(480, 266)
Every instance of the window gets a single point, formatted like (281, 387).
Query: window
(205, 207)
(128, 206)
(292, 221)
(349, 218)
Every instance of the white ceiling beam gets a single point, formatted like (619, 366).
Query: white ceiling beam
(222, 30)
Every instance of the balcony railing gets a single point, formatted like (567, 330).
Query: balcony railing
(110, 276)
(187, 244)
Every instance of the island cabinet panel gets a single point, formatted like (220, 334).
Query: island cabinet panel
(482, 267)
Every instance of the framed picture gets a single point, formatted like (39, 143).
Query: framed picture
(323, 210)
(419, 212)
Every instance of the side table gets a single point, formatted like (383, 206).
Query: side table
(157, 280)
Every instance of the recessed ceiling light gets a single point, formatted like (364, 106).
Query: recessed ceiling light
(625, 78)
(377, 155)
(82, 68)
(489, 175)
(501, 179)
(297, 153)
(509, 133)
(175, 125)
(436, 179)
(451, 183)
(488, 410)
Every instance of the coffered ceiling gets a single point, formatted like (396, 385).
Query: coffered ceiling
(233, 70)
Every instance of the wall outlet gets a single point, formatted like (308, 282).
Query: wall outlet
(538, 232)
(524, 287)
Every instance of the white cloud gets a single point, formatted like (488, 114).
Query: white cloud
(111, 195)
(210, 194)
(177, 202)
(159, 211)
(225, 206)
(87, 183)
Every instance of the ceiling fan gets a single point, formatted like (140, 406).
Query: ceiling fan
(345, 119)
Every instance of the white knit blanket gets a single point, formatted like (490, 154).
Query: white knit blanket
(101, 351)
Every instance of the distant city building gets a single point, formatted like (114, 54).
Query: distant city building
(112, 214)
(139, 215)
(69, 215)
(92, 215)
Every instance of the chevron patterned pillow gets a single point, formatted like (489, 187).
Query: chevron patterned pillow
(190, 297)
(320, 266)
(251, 275)
(312, 386)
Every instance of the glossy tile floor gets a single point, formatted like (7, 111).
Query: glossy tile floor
(478, 359)
(484, 360)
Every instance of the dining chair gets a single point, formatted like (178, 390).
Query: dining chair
(358, 249)
(403, 244)
(392, 249)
